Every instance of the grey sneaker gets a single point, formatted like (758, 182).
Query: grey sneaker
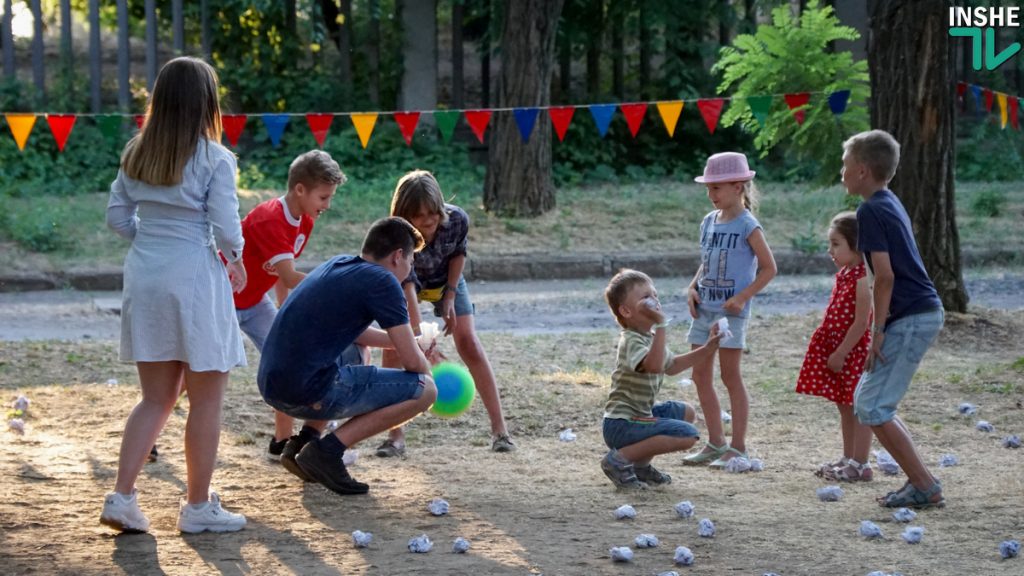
(503, 443)
(388, 449)
(122, 513)
(209, 517)
(623, 476)
(652, 475)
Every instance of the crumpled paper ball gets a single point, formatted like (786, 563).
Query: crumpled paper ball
(669, 573)
(1011, 441)
(683, 556)
(625, 511)
(685, 509)
(706, 528)
(621, 554)
(947, 460)
(880, 573)
(420, 544)
(726, 417)
(1009, 549)
(966, 408)
(886, 463)
(904, 515)
(770, 574)
(646, 541)
(567, 435)
(756, 465)
(21, 403)
(350, 456)
(331, 426)
(111, 381)
(438, 507)
(984, 426)
(361, 539)
(685, 382)
(737, 465)
(869, 529)
(829, 493)
(723, 328)
(460, 545)
(913, 534)
(17, 425)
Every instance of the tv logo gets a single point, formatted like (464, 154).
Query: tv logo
(969, 22)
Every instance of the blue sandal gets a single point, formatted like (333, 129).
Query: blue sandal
(703, 457)
(911, 497)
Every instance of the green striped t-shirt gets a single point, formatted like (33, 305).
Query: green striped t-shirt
(633, 392)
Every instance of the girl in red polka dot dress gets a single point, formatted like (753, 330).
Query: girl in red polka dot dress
(835, 356)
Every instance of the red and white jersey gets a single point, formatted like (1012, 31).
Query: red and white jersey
(271, 235)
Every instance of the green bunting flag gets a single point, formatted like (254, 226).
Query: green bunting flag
(110, 126)
(446, 120)
(759, 107)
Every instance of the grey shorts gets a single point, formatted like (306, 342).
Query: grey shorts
(700, 329)
(256, 320)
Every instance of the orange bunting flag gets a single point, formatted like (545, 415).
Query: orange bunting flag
(233, 124)
(364, 125)
(710, 110)
(1012, 101)
(1002, 109)
(669, 112)
(478, 120)
(560, 119)
(21, 127)
(320, 125)
(61, 125)
(796, 102)
(634, 114)
(407, 122)
(140, 119)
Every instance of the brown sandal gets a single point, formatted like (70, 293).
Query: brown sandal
(852, 471)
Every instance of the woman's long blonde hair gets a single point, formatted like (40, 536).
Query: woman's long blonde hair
(182, 109)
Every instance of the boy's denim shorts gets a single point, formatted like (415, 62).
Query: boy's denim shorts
(463, 305)
(881, 389)
(700, 329)
(256, 321)
(668, 420)
(357, 389)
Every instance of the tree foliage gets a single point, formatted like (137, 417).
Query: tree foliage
(792, 54)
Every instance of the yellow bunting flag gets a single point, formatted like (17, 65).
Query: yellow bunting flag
(670, 115)
(1002, 109)
(21, 126)
(364, 126)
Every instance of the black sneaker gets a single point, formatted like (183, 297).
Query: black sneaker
(276, 448)
(153, 454)
(328, 470)
(290, 451)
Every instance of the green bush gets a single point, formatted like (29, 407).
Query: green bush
(988, 203)
(43, 228)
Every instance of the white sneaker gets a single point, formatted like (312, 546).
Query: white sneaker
(209, 517)
(122, 513)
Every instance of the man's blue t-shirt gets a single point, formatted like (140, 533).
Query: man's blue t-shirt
(325, 313)
(884, 226)
(728, 261)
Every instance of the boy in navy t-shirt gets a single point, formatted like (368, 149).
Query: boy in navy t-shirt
(302, 372)
(907, 310)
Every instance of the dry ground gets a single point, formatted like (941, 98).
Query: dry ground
(544, 509)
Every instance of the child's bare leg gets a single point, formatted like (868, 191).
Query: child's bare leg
(894, 437)
(472, 353)
(202, 430)
(856, 436)
(160, 382)
(641, 453)
(739, 399)
(283, 425)
(389, 359)
(703, 379)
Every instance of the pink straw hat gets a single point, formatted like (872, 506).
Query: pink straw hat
(726, 167)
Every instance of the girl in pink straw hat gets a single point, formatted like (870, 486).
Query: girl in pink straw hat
(736, 264)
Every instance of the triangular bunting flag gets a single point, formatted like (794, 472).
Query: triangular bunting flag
(140, 119)
(478, 120)
(961, 89)
(446, 120)
(1012, 101)
(988, 99)
(233, 124)
(110, 126)
(275, 124)
(320, 125)
(560, 119)
(1002, 109)
(21, 126)
(710, 110)
(796, 103)
(976, 92)
(634, 114)
(602, 114)
(364, 125)
(759, 107)
(669, 112)
(407, 122)
(837, 101)
(525, 119)
(61, 125)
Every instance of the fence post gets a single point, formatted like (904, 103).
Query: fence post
(7, 38)
(38, 66)
(124, 95)
(95, 64)
(150, 44)
(179, 27)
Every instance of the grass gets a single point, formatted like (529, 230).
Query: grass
(648, 216)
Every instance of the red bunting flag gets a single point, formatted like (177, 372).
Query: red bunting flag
(989, 98)
(560, 119)
(961, 89)
(319, 125)
(140, 119)
(634, 114)
(233, 126)
(61, 125)
(710, 110)
(798, 100)
(1012, 103)
(407, 122)
(478, 120)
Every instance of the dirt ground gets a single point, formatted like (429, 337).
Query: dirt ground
(546, 508)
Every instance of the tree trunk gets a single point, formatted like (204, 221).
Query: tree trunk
(419, 55)
(67, 56)
(457, 55)
(95, 59)
(645, 50)
(909, 57)
(151, 40)
(124, 54)
(204, 29)
(373, 52)
(485, 57)
(338, 21)
(565, 70)
(594, 41)
(291, 18)
(178, 27)
(618, 17)
(518, 179)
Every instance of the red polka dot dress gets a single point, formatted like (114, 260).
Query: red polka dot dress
(815, 377)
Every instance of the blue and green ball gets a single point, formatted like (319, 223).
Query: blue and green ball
(455, 390)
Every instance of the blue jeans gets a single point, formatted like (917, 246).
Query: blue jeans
(669, 420)
(881, 389)
(357, 390)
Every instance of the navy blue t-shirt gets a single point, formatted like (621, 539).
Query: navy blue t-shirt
(325, 313)
(884, 226)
